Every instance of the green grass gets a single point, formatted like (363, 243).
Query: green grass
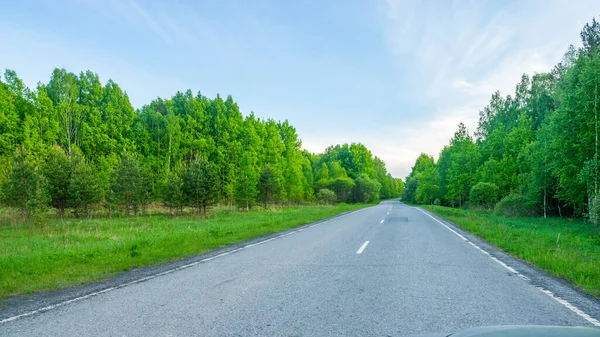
(567, 248)
(74, 251)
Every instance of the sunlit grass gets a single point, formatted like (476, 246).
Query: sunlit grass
(69, 252)
(567, 248)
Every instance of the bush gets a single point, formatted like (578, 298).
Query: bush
(326, 196)
(484, 194)
(513, 205)
(437, 202)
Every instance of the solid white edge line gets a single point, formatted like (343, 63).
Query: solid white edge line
(143, 279)
(441, 223)
(570, 306)
(560, 300)
(362, 248)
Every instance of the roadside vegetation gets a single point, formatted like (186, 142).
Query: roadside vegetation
(69, 252)
(534, 152)
(566, 248)
(77, 145)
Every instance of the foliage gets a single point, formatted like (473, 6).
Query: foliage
(484, 194)
(199, 185)
(84, 186)
(57, 170)
(172, 190)
(366, 189)
(512, 205)
(267, 186)
(127, 184)
(139, 156)
(25, 188)
(326, 196)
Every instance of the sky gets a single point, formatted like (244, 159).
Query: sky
(397, 76)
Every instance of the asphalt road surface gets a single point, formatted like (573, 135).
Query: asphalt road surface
(388, 270)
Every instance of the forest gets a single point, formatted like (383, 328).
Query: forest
(533, 153)
(75, 146)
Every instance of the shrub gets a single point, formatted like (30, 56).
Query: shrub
(437, 202)
(484, 194)
(513, 205)
(326, 196)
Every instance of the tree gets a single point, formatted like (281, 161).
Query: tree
(57, 171)
(199, 185)
(25, 188)
(63, 90)
(366, 189)
(342, 187)
(427, 190)
(172, 191)
(127, 184)
(246, 187)
(267, 186)
(84, 186)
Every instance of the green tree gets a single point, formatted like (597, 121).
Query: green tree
(342, 187)
(428, 189)
(246, 188)
(199, 185)
(172, 190)
(127, 184)
(366, 189)
(267, 186)
(84, 186)
(25, 188)
(57, 171)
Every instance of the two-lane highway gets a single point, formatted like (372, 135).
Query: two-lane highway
(388, 270)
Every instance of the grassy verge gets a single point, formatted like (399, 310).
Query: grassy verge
(566, 248)
(74, 251)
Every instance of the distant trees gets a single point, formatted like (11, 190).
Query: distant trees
(86, 147)
(536, 151)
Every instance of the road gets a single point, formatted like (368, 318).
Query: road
(387, 270)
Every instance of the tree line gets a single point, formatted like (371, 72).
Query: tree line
(534, 153)
(75, 144)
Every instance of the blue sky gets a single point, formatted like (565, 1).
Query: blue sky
(397, 76)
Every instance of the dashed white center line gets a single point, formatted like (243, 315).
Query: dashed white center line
(381, 221)
(362, 248)
(388, 213)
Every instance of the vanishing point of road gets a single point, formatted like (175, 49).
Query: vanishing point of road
(386, 270)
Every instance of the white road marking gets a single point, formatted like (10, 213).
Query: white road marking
(143, 279)
(362, 248)
(388, 213)
(381, 221)
(565, 303)
(450, 229)
(570, 306)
